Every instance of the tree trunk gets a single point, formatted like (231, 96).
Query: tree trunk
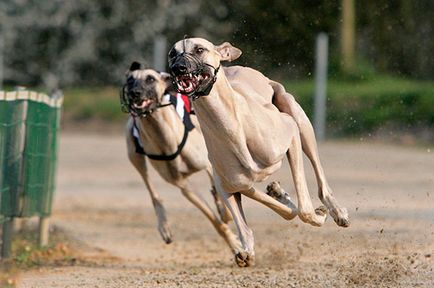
(348, 36)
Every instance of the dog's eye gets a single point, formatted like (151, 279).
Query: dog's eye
(172, 53)
(200, 50)
(150, 79)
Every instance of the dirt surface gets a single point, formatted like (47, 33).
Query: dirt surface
(388, 190)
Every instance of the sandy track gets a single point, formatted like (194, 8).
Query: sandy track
(388, 190)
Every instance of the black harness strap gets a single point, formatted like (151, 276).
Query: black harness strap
(163, 157)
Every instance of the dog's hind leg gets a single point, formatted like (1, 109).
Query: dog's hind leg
(222, 209)
(139, 162)
(286, 210)
(295, 157)
(275, 191)
(221, 227)
(285, 102)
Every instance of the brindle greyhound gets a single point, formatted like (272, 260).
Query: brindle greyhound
(173, 151)
(250, 123)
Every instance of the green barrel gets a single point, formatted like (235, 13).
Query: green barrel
(12, 135)
(29, 190)
(40, 157)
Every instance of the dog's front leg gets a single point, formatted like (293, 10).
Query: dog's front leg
(245, 255)
(222, 209)
(221, 227)
(139, 162)
(163, 225)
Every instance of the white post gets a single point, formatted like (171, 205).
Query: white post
(321, 62)
(160, 53)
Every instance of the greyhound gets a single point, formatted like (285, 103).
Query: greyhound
(249, 123)
(156, 132)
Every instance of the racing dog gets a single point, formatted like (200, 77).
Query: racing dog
(250, 123)
(156, 132)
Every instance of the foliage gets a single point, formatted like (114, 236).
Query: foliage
(358, 107)
(397, 36)
(92, 42)
(101, 103)
(82, 41)
(279, 39)
(354, 107)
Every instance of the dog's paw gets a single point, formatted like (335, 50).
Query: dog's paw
(165, 233)
(321, 210)
(340, 215)
(244, 259)
(275, 191)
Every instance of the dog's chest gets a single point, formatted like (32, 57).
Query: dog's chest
(235, 177)
(171, 171)
(265, 133)
(240, 166)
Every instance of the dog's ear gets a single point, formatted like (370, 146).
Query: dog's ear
(135, 66)
(165, 76)
(228, 52)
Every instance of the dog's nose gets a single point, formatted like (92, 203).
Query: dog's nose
(135, 93)
(179, 68)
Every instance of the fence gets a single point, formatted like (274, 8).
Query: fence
(28, 155)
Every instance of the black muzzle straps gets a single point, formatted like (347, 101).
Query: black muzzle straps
(196, 67)
(127, 105)
(123, 97)
(206, 89)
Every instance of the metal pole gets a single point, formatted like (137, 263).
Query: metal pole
(322, 42)
(8, 230)
(1, 59)
(160, 53)
(44, 227)
(348, 35)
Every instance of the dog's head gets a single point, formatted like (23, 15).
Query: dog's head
(144, 89)
(194, 63)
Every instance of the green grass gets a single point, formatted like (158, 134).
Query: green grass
(62, 251)
(353, 107)
(93, 103)
(27, 255)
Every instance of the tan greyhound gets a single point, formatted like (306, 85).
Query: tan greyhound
(155, 132)
(250, 123)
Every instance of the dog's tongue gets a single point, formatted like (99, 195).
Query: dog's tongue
(144, 104)
(187, 84)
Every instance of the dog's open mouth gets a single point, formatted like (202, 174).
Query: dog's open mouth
(144, 105)
(188, 83)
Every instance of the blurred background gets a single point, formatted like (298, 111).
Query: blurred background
(380, 66)
(380, 88)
